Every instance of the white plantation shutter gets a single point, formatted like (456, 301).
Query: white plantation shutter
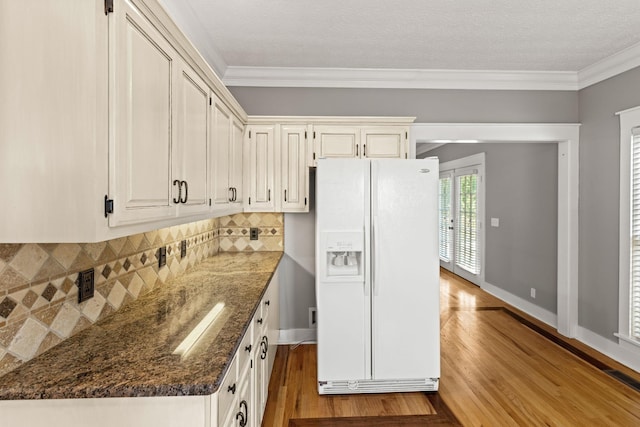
(467, 222)
(634, 329)
(444, 219)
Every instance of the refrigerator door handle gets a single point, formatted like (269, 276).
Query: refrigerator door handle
(374, 253)
(367, 289)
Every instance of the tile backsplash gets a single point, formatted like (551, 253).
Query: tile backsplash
(38, 292)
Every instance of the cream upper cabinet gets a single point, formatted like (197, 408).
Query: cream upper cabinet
(385, 142)
(294, 173)
(236, 152)
(226, 158)
(260, 166)
(191, 160)
(336, 141)
(360, 142)
(222, 194)
(145, 73)
(53, 120)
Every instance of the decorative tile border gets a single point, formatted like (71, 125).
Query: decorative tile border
(38, 292)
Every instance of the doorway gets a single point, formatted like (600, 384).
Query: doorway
(461, 217)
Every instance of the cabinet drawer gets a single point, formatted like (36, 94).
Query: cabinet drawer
(228, 392)
(246, 349)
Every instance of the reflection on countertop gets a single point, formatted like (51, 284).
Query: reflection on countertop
(133, 352)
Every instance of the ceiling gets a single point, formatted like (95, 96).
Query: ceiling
(414, 39)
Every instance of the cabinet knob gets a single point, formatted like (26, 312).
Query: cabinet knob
(267, 302)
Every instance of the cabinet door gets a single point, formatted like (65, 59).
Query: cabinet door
(191, 165)
(337, 141)
(142, 131)
(272, 303)
(260, 168)
(294, 173)
(236, 161)
(384, 142)
(221, 137)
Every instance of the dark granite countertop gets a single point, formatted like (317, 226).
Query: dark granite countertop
(130, 353)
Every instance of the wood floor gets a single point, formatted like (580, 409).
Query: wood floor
(499, 368)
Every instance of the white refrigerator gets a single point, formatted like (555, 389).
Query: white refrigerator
(377, 275)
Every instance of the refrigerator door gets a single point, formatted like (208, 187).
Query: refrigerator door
(342, 270)
(405, 276)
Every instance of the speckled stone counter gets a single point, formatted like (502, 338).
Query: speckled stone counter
(131, 352)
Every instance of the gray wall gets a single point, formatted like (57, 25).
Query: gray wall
(521, 184)
(599, 198)
(428, 105)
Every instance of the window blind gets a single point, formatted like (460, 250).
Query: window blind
(444, 219)
(634, 311)
(466, 241)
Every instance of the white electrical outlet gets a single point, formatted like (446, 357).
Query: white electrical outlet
(313, 317)
(533, 293)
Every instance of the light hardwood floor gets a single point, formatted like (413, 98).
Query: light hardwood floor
(499, 368)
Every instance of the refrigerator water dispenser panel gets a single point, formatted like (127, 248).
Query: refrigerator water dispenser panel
(343, 255)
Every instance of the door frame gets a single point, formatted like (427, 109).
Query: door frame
(566, 135)
(475, 161)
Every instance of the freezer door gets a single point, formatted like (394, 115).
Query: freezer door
(405, 276)
(342, 291)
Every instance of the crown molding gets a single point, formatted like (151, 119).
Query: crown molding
(399, 78)
(610, 66)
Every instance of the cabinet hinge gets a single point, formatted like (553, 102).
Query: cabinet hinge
(108, 7)
(108, 206)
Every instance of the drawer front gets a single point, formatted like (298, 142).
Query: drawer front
(246, 349)
(228, 392)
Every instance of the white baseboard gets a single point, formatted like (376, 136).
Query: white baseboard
(522, 304)
(297, 336)
(627, 356)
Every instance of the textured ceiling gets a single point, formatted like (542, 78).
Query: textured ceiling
(532, 35)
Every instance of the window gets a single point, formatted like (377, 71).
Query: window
(629, 286)
(467, 222)
(444, 219)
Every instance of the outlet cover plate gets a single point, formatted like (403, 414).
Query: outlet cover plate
(253, 233)
(162, 256)
(86, 285)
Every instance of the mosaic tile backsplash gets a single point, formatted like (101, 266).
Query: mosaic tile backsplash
(38, 292)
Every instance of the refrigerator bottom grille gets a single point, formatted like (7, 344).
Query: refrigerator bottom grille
(377, 386)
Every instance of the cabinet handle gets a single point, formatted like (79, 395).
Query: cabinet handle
(267, 302)
(179, 184)
(186, 192)
(259, 321)
(364, 150)
(235, 194)
(285, 195)
(248, 348)
(243, 420)
(232, 389)
(357, 151)
(243, 414)
(264, 347)
(269, 194)
(230, 190)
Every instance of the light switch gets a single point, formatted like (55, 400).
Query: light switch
(495, 222)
